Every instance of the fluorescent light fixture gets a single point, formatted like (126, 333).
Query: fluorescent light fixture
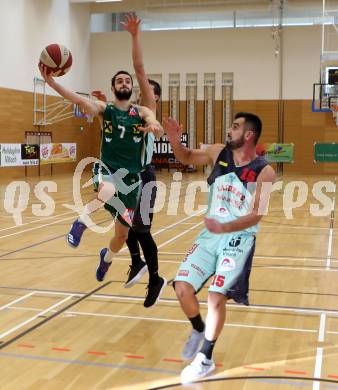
(108, 1)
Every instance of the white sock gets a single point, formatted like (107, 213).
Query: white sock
(108, 257)
(90, 208)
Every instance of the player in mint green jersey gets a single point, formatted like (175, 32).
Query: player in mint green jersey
(240, 184)
(126, 128)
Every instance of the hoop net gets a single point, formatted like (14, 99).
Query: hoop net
(79, 113)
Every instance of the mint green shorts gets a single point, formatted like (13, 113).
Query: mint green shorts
(226, 257)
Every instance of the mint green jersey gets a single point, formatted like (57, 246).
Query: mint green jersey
(232, 188)
(123, 144)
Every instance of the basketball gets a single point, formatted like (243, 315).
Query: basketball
(57, 58)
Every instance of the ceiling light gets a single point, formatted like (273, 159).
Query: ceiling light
(108, 1)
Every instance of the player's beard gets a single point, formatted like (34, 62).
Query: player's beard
(123, 94)
(236, 144)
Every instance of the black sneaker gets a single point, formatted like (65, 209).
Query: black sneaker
(154, 292)
(135, 273)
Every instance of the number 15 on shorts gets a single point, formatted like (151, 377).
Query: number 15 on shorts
(218, 280)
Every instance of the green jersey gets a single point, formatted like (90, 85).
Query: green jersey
(123, 144)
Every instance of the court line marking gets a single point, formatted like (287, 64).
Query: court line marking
(321, 335)
(298, 268)
(57, 313)
(316, 228)
(257, 378)
(170, 320)
(37, 227)
(4, 334)
(17, 300)
(180, 234)
(329, 247)
(171, 226)
(258, 266)
(61, 202)
(319, 352)
(310, 311)
(126, 256)
(64, 234)
(298, 258)
(84, 363)
(37, 220)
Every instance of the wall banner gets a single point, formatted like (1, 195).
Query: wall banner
(18, 155)
(164, 155)
(57, 153)
(326, 152)
(276, 153)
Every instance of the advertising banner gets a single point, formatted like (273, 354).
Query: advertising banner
(30, 154)
(57, 153)
(163, 153)
(276, 153)
(326, 152)
(18, 155)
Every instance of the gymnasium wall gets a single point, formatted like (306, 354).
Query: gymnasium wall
(248, 53)
(16, 117)
(27, 26)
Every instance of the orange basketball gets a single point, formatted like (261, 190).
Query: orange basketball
(57, 58)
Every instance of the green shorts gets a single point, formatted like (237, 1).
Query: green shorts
(226, 256)
(123, 204)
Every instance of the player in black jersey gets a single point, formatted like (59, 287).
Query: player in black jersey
(140, 234)
(239, 188)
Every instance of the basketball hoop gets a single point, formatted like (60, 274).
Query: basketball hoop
(79, 113)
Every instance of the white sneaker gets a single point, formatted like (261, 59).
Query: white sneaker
(198, 368)
(192, 345)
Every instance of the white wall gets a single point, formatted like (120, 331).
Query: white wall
(301, 61)
(249, 53)
(26, 26)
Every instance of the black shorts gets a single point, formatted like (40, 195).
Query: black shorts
(143, 215)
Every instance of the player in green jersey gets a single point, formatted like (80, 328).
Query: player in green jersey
(140, 233)
(239, 184)
(126, 129)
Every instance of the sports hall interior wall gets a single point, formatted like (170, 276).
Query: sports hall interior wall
(301, 126)
(16, 117)
(249, 53)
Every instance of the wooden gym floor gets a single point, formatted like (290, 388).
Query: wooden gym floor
(60, 329)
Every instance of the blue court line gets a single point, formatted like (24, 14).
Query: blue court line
(42, 242)
(89, 364)
(279, 381)
(33, 245)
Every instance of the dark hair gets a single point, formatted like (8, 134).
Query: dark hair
(252, 122)
(118, 73)
(157, 87)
